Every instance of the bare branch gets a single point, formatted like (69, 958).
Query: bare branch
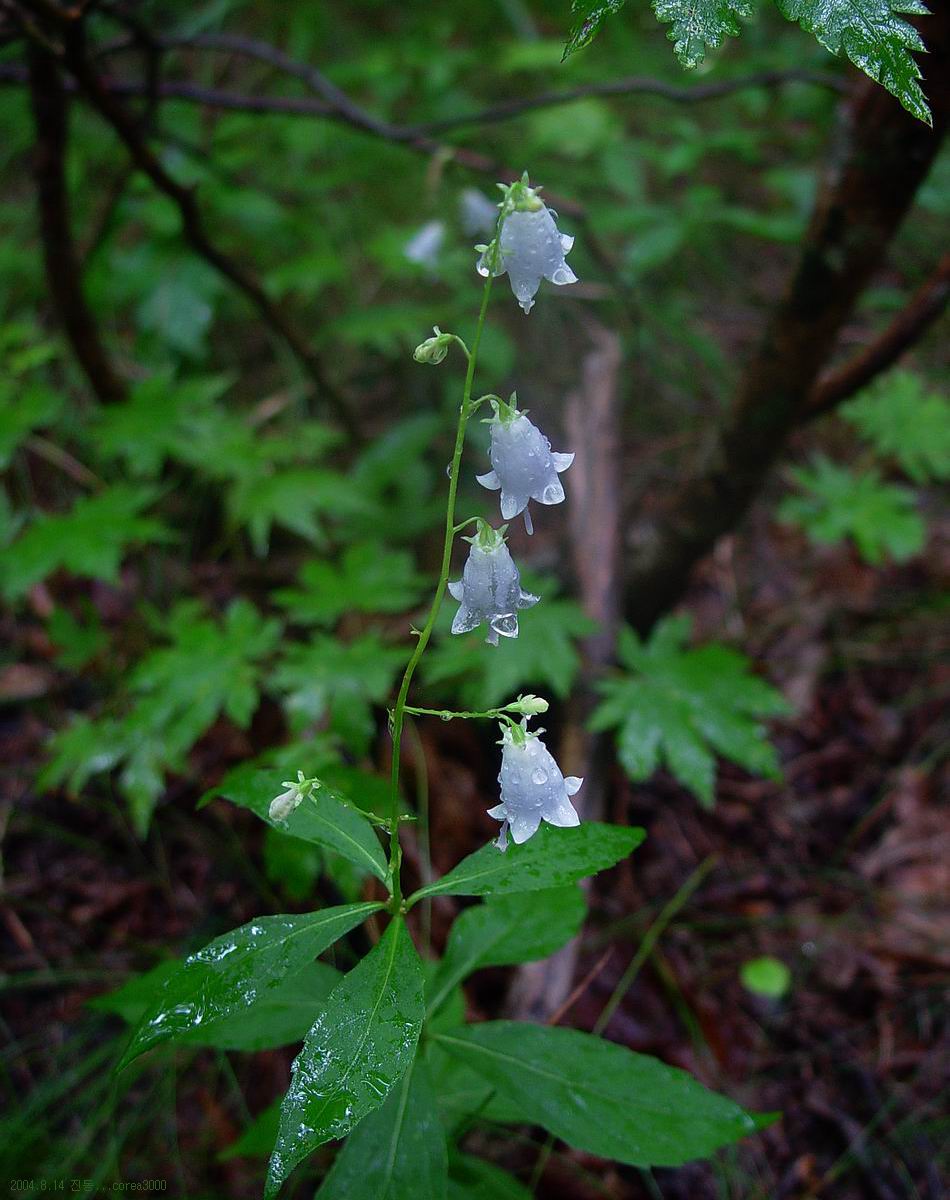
(924, 308)
(63, 273)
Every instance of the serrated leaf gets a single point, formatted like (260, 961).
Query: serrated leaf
(837, 503)
(685, 706)
(297, 498)
(600, 1097)
(358, 1049)
(368, 578)
(23, 408)
(505, 930)
(551, 858)
(324, 818)
(589, 16)
(234, 971)
(336, 681)
(696, 24)
(90, 540)
(904, 420)
(873, 37)
(398, 1152)
(543, 655)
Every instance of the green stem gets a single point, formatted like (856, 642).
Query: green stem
(465, 411)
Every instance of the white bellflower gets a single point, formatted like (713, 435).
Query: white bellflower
(531, 248)
(524, 465)
(489, 591)
(532, 787)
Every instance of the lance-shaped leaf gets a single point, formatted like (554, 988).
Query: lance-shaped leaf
(281, 1016)
(589, 15)
(358, 1049)
(601, 1097)
(323, 818)
(551, 858)
(507, 930)
(237, 969)
(398, 1152)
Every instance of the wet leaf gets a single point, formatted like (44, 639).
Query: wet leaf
(696, 24)
(358, 1049)
(589, 16)
(323, 819)
(398, 1152)
(237, 969)
(505, 930)
(598, 1096)
(552, 857)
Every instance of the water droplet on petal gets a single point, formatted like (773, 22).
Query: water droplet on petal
(538, 776)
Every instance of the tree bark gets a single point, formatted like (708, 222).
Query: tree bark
(882, 157)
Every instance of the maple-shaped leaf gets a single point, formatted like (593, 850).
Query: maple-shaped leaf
(696, 24)
(837, 503)
(907, 422)
(367, 578)
(175, 693)
(338, 682)
(542, 656)
(298, 498)
(874, 37)
(683, 706)
(90, 540)
(151, 425)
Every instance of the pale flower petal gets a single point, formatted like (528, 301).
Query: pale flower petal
(489, 592)
(532, 788)
(523, 464)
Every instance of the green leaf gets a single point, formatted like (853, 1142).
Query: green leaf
(589, 16)
(296, 498)
(279, 1018)
(904, 420)
(23, 408)
(463, 1094)
(398, 1152)
(696, 24)
(873, 37)
(368, 578)
(686, 706)
(291, 864)
(258, 1138)
(474, 1179)
(549, 859)
(542, 656)
(77, 643)
(837, 504)
(130, 431)
(340, 682)
(505, 930)
(237, 969)
(323, 819)
(600, 1097)
(90, 540)
(358, 1049)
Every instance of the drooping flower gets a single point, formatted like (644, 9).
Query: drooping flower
(532, 787)
(531, 248)
(524, 466)
(489, 591)
(288, 801)
(425, 244)
(477, 213)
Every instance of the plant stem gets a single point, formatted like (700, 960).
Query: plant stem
(465, 410)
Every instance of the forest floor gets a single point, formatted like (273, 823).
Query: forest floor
(842, 871)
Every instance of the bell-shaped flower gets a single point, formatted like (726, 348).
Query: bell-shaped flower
(425, 245)
(524, 465)
(477, 213)
(489, 591)
(531, 248)
(532, 787)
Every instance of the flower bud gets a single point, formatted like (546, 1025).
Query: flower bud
(532, 788)
(434, 349)
(287, 802)
(528, 706)
(524, 466)
(489, 591)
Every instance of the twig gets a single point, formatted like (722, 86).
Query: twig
(558, 1014)
(924, 308)
(650, 939)
(63, 272)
